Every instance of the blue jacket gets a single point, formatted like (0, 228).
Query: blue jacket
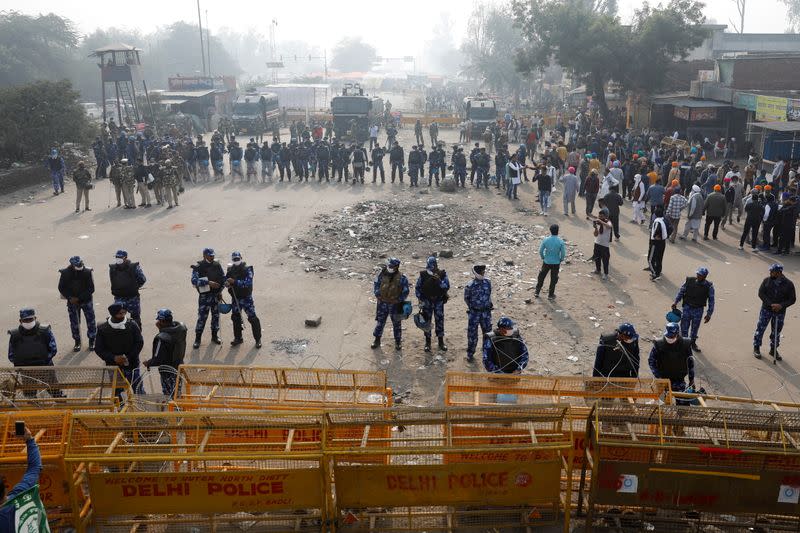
(553, 250)
(29, 480)
(478, 295)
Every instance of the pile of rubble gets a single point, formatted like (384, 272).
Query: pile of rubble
(351, 242)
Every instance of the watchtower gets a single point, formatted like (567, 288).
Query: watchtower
(120, 64)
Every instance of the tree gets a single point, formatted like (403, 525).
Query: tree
(793, 13)
(33, 48)
(741, 6)
(488, 49)
(39, 115)
(353, 55)
(588, 39)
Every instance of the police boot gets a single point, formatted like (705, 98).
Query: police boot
(255, 325)
(376, 343)
(77, 347)
(427, 344)
(197, 336)
(442, 345)
(237, 330)
(215, 337)
(398, 345)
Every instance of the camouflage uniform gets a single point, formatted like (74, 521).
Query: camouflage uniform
(170, 181)
(128, 183)
(116, 179)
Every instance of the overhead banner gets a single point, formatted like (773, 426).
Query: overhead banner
(771, 109)
(205, 492)
(793, 110)
(703, 113)
(681, 113)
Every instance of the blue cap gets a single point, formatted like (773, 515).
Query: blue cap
(27, 312)
(75, 260)
(236, 255)
(121, 253)
(616, 164)
(209, 251)
(671, 330)
(115, 308)
(776, 267)
(505, 323)
(432, 263)
(628, 330)
(702, 271)
(164, 314)
(393, 262)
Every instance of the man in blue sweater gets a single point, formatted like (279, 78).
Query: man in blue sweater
(553, 251)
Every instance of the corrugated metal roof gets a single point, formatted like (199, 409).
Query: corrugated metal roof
(689, 102)
(780, 125)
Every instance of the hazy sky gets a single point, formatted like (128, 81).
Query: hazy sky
(401, 27)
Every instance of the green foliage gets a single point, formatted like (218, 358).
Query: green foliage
(587, 38)
(39, 115)
(353, 55)
(488, 48)
(34, 48)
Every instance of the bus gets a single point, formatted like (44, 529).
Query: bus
(255, 113)
(354, 112)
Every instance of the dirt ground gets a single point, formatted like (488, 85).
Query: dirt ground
(312, 252)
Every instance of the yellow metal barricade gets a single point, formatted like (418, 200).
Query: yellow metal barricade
(241, 387)
(76, 388)
(452, 469)
(692, 468)
(580, 392)
(202, 472)
(60, 497)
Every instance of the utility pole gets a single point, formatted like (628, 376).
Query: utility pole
(202, 45)
(208, 44)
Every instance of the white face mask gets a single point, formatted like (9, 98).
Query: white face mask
(119, 260)
(28, 325)
(237, 261)
(478, 276)
(79, 267)
(671, 341)
(391, 270)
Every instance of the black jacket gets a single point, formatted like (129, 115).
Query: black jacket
(76, 284)
(777, 291)
(111, 342)
(169, 346)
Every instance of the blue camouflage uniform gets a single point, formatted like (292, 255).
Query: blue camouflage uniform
(78, 284)
(241, 290)
(478, 297)
(57, 167)
(779, 291)
(432, 304)
(387, 309)
(207, 301)
(132, 304)
(692, 313)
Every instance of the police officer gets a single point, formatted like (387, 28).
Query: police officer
(695, 293)
(336, 161)
(359, 163)
(478, 296)
(391, 289)
(504, 351)
(396, 158)
(473, 160)
(377, 163)
(285, 162)
(127, 179)
(423, 158)
(436, 158)
(170, 183)
(202, 156)
(126, 280)
(100, 158)
(235, 155)
(483, 160)
(55, 163)
(671, 358)
(208, 278)
(303, 156)
(76, 286)
(460, 166)
(83, 184)
(265, 154)
(250, 157)
(431, 291)
(239, 282)
(617, 354)
(776, 293)
(414, 166)
(323, 160)
(169, 349)
(119, 343)
(31, 343)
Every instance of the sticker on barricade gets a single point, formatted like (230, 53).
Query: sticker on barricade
(203, 493)
(504, 484)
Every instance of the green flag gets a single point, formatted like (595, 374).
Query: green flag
(30, 516)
